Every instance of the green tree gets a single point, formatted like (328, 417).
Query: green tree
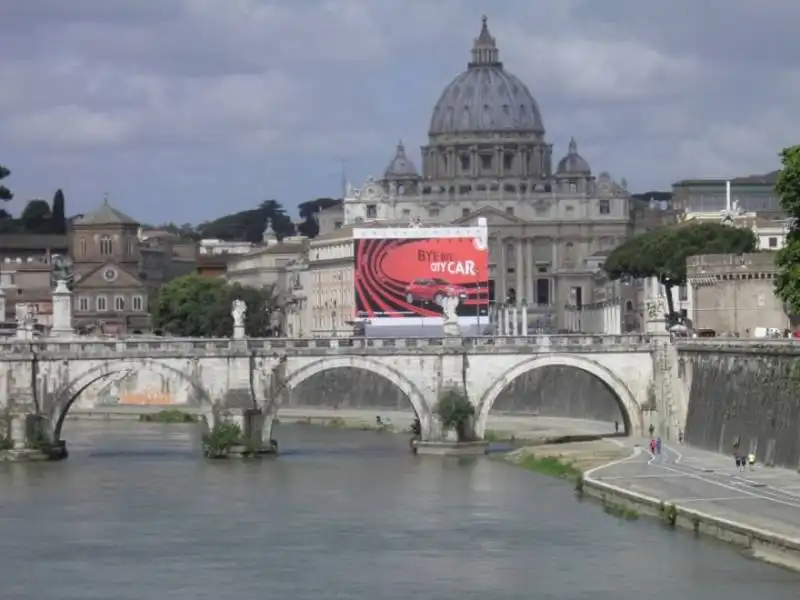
(196, 306)
(5, 193)
(662, 253)
(182, 305)
(58, 222)
(455, 413)
(249, 225)
(787, 186)
(35, 216)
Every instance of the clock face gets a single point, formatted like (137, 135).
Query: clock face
(110, 274)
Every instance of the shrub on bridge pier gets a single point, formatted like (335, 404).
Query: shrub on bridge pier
(219, 442)
(455, 412)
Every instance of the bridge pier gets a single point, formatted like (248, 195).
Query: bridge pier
(256, 428)
(29, 437)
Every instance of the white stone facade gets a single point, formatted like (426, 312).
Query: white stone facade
(331, 271)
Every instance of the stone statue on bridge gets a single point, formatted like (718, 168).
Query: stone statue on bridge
(238, 312)
(449, 308)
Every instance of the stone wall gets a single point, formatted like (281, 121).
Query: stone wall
(559, 392)
(749, 395)
(547, 392)
(350, 388)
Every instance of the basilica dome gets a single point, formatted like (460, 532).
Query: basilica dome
(486, 98)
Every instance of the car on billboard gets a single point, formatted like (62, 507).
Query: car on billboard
(433, 290)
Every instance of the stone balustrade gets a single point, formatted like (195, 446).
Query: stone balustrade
(217, 346)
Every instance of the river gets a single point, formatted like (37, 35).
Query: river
(136, 514)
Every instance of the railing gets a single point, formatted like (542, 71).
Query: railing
(218, 346)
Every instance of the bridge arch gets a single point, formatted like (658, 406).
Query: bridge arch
(398, 379)
(629, 407)
(72, 391)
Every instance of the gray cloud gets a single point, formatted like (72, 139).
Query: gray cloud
(214, 105)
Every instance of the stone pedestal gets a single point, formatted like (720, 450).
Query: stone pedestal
(62, 310)
(19, 432)
(451, 328)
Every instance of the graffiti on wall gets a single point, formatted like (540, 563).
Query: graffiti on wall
(131, 392)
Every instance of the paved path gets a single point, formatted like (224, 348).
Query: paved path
(765, 498)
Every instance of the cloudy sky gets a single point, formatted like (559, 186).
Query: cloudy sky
(189, 109)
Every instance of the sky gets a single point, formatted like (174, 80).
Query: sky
(185, 110)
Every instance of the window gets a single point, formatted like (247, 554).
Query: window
(337, 225)
(131, 247)
(508, 161)
(137, 303)
(372, 211)
(82, 247)
(605, 207)
(573, 188)
(433, 212)
(683, 293)
(105, 245)
(465, 212)
(83, 304)
(119, 303)
(510, 210)
(465, 162)
(543, 292)
(406, 212)
(773, 242)
(101, 303)
(486, 162)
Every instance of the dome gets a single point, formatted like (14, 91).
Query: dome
(400, 167)
(573, 163)
(486, 97)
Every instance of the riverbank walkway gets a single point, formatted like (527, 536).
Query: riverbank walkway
(764, 498)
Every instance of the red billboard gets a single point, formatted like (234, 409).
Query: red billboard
(400, 278)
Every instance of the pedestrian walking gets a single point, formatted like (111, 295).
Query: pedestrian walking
(751, 460)
(658, 446)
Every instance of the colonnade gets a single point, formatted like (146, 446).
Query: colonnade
(604, 318)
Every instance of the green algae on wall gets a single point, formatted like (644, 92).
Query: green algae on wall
(748, 399)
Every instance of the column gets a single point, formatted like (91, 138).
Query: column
(524, 319)
(500, 280)
(62, 310)
(500, 319)
(508, 321)
(530, 295)
(2, 306)
(520, 271)
(514, 321)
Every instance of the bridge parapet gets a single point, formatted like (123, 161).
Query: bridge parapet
(739, 346)
(187, 347)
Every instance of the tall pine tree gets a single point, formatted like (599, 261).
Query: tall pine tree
(59, 218)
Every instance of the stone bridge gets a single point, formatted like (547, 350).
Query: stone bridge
(249, 380)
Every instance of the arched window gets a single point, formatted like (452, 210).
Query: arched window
(82, 247)
(105, 245)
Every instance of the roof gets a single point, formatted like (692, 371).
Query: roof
(400, 166)
(34, 241)
(573, 163)
(764, 179)
(106, 215)
(486, 97)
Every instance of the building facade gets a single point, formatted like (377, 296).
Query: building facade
(109, 296)
(735, 294)
(487, 156)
